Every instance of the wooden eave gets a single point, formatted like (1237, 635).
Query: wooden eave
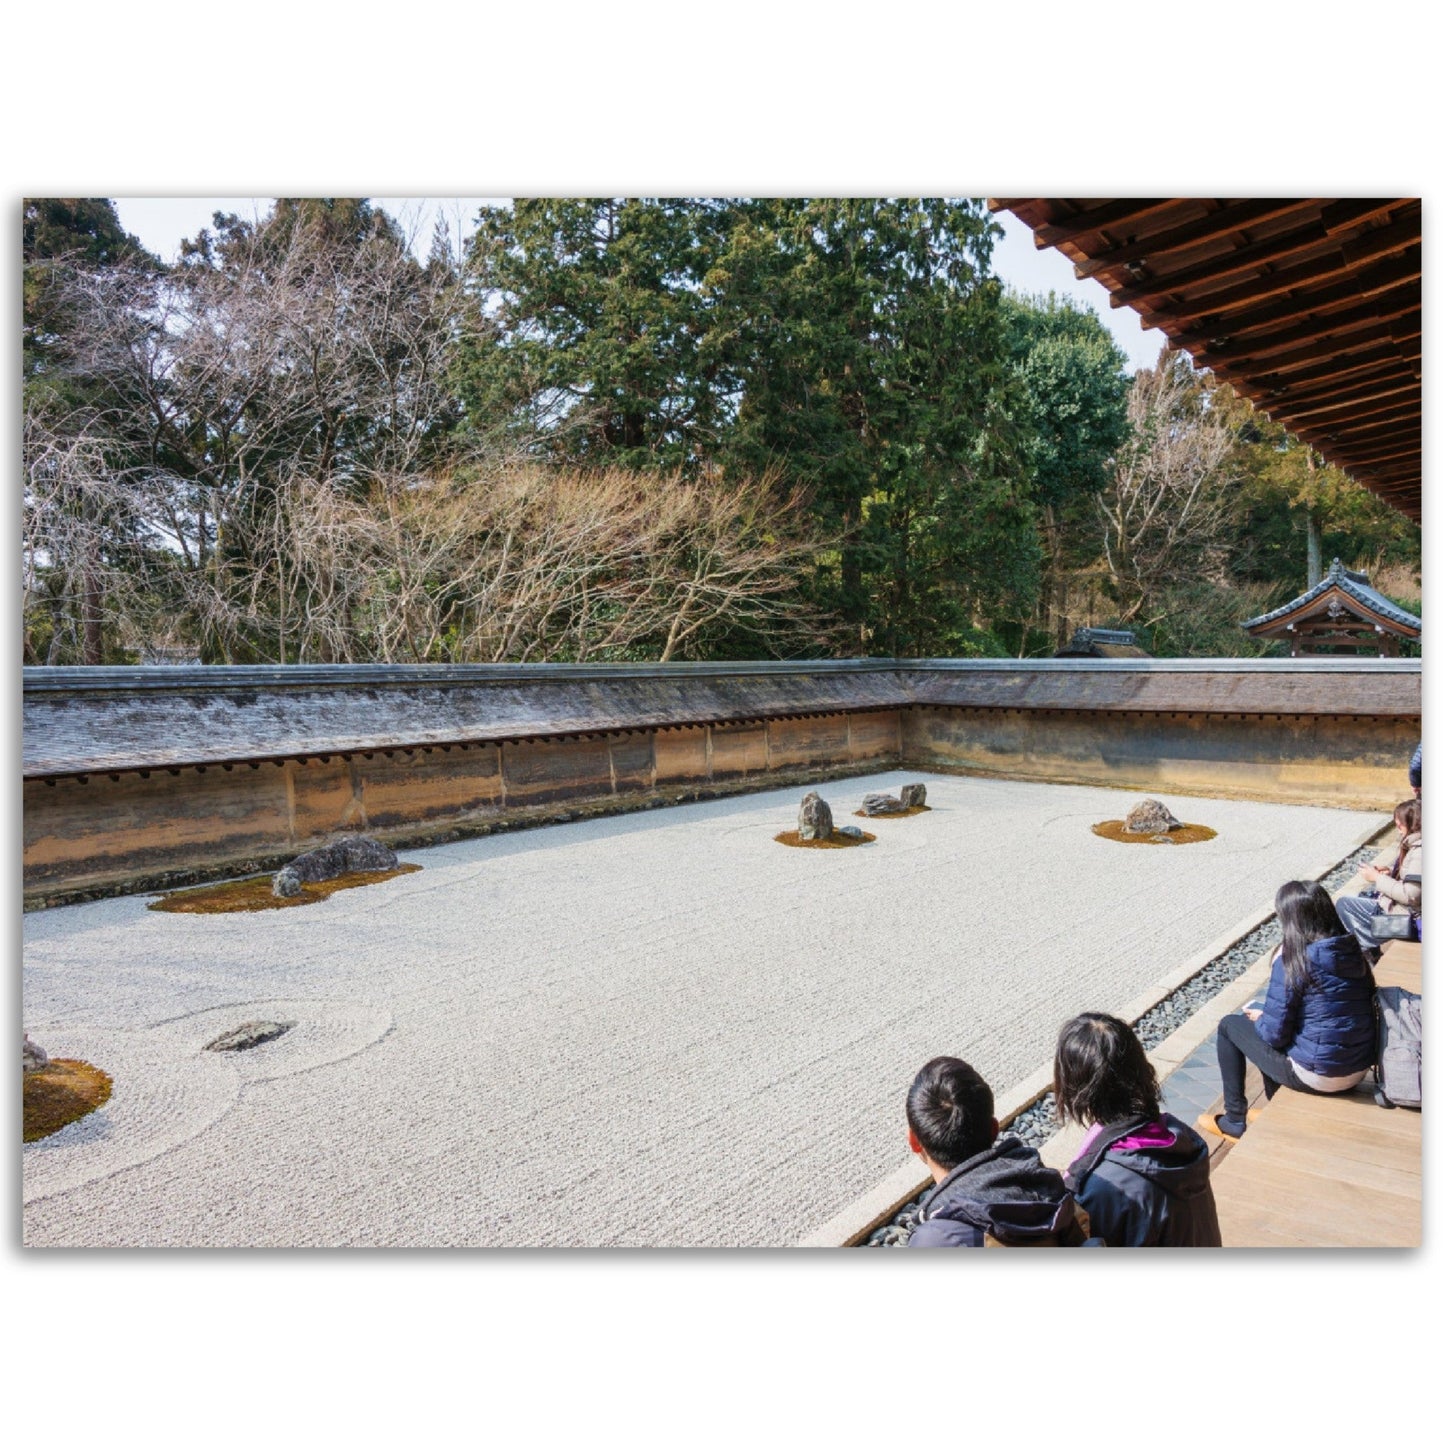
(1309, 308)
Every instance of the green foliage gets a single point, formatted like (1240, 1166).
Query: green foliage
(594, 347)
(1076, 392)
(963, 471)
(854, 348)
(1202, 619)
(867, 343)
(1282, 487)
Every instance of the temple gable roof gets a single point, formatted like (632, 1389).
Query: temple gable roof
(1338, 594)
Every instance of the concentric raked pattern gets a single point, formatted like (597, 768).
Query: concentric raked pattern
(654, 1029)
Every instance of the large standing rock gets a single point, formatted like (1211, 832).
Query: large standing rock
(1150, 816)
(876, 803)
(345, 855)
(815, 819)
(911, 795)
(34, 1056)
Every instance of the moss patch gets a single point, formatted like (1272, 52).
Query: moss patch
(791, 840)
(902, 813)
(62, 1092)
(253, 895)
(1184, 833)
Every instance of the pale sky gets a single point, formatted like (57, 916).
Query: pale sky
(162, 223)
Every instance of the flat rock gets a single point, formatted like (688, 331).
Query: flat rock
(345, 855)
(876, 803)
(849, 832)
(1150, 816)
(815, 818)
(249, 1035)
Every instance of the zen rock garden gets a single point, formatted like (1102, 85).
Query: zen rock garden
(816, 828)
(332, 1135)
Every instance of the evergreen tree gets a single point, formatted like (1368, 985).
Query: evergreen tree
(1075, 419)
(866, 342)
(595, 328)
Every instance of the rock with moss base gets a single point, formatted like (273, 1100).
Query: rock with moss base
(875, 804)
(913, 795)
(34, 1057)
(1150, 816)
(345, 855)
(815, 819)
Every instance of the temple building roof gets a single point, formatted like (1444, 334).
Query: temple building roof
(1341, 609)
(1102, 642)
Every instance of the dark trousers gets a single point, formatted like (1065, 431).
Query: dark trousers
(1356, 914)
(1238, 1040)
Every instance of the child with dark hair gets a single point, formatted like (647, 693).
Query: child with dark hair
(985, 1186)
(1142, 1175)
(1316, 1031)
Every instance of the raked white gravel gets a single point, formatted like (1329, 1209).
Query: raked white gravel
(658, 1029)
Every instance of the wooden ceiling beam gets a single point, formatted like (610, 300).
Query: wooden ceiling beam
(1314, 236)
(1365, 434)
(1392, 472)
(1340, 346)
(1096, 218)
(1392, 372)
(1291, 308)
(1347, 426)
(1378, 245)
(1230, 218)
(1379, 456)
(1395, 485)
(1343, 215)
(1387, 354)
(1363, 447)
(1290, 338)
(1345, 404)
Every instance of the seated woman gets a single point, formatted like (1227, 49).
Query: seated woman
(1316, 1031)
(1142, 1175)
(1396, 889)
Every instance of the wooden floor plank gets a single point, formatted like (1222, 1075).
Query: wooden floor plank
(1328, 1170)
(1345, 1214)
(1400, 963)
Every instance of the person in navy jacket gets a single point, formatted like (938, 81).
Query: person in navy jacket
(1316, 1030)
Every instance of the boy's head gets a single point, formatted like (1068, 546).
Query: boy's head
(950, 1113)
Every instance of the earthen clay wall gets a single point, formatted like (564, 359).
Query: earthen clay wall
(138, 777)
(105, 832)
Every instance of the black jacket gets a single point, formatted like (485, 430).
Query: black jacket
(1007, 1192)
(1147, 1197)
